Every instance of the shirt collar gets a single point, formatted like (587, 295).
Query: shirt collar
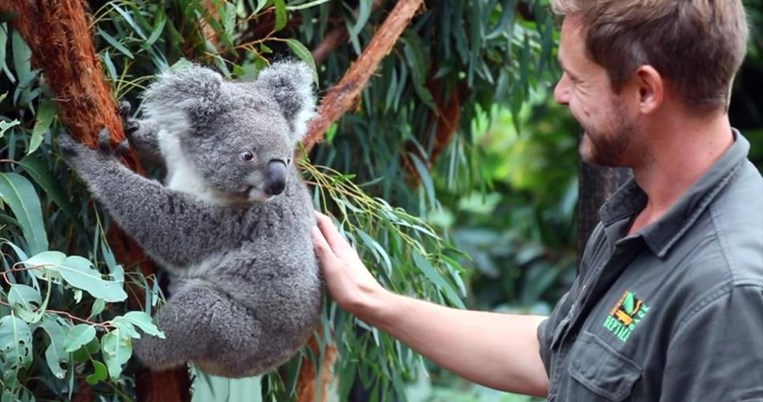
(661, 235)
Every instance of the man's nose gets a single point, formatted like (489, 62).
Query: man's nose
(562, 90)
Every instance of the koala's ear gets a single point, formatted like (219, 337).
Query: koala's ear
(191, 92)
(290, 83)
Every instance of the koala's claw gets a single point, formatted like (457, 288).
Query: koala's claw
(130, 125)
(123, 109)
(104, 144)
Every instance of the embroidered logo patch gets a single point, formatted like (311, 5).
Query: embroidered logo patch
(625, 316)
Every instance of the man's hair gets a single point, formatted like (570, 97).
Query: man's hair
(696, 45)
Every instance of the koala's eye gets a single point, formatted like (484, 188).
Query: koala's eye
(247, 156)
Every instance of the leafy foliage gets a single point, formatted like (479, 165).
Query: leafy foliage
(79, 298)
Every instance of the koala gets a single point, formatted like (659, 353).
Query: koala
(231, 221)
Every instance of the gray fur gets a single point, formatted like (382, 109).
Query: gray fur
(245, 292)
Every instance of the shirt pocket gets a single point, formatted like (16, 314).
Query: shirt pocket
(605, 374)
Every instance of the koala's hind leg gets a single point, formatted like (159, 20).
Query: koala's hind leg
(202, 325)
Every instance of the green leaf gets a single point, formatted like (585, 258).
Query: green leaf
(437, 279)
(37, 168)
(16, 343)
(22, 60)
(144, 322)
(125, 327)
(6, 125)
(161, 21)
(281, 14)
(80, 335)
(44, 265)
(99, 375)
(55, 354)
(307, 5)
(79, 273)
(97, 308)
(25, 301)
(45, 115)
(305, 55)
(128, 19)
(117, 350)
(19, 194)
(3, 45)
(115, 43)
(364, 11)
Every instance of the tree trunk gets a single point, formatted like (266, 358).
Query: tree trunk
(596, 185)
(62, 47)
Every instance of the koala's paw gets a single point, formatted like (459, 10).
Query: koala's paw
(130, 124)
(106, 147)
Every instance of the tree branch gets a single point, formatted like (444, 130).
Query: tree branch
(57, 33)
(341, 97)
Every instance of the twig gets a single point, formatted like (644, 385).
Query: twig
(341, 97)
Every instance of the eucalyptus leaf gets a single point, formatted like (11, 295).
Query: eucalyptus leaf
(305, 55)
(44, 265)
(36, 166)
(97, 308)
(117, 350)
(126, 328)
(78, 336)
(19, 194)
(6, 125)
(45, 115)
(22, 60)
(79, 273)
(16, 343)
(100, 373)
(281, 14)
(3, 45)
(438, 280)
(55, 354)
(26, 302)
(143, 321)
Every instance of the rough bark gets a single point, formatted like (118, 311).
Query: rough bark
(57, 31)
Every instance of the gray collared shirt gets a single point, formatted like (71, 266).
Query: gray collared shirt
(675, 312)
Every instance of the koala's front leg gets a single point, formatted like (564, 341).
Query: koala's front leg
(172, 227)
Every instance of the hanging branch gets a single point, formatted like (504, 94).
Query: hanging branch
(341, 97)
(57, 33)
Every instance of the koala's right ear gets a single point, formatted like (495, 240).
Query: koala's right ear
(190, 93)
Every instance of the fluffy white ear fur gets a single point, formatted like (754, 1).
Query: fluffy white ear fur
(290, 83)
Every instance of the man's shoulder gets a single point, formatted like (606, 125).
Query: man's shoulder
(737, 221)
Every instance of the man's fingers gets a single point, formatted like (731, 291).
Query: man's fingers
(329, 231)
(322, 248)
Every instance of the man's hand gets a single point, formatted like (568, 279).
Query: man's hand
(347, 278)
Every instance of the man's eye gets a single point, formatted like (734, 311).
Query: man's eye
(247, 156)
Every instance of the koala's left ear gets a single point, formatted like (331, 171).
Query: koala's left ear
(191, 93)
(290, 83)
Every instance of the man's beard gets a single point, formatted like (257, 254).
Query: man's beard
(609, 147)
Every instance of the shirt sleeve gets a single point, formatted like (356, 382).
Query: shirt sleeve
(549, 328)
(717, 352)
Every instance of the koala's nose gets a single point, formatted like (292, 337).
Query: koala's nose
(276, 179)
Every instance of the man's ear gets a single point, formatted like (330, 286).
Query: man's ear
(651, 89)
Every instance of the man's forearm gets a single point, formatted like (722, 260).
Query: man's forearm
(496, 350)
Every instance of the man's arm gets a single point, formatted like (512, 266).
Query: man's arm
(496, 350)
